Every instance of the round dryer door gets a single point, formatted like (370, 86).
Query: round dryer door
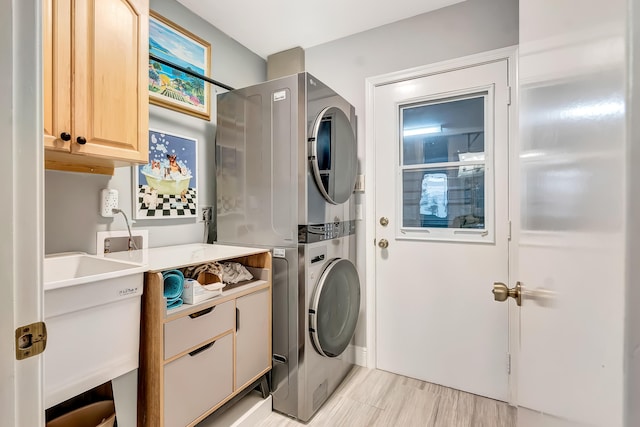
(334, 308)
(333, 155)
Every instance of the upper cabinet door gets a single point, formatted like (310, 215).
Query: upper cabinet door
(110, 62)
(56, 29)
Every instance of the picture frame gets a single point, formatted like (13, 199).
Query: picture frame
(171, 88)
(167, 186)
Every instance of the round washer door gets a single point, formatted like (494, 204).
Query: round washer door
(334, 308)
(333, 155)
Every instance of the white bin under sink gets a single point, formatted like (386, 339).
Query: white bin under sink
(92, 313)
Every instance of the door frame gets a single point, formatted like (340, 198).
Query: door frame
(510, 54)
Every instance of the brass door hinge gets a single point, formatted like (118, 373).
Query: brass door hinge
(31, 340)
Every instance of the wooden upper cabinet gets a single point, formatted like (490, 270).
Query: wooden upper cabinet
(56, 32)
(104, 62)
(110, 98)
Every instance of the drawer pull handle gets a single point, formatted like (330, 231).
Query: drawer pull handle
(201, 349)
(202, 312)
(237, 320)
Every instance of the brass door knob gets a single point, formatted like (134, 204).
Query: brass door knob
(384, 221)
(383, 243)
(501, 292)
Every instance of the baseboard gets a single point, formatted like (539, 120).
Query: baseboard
(247, 412)
(359, 355)
(260, 410)
(528, 418)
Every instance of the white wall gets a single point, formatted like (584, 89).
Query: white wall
(72, 199)
(463, 29)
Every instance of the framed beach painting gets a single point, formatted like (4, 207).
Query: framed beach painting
(172, 88)
(167, 186)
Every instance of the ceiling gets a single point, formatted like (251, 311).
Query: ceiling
(270, 26)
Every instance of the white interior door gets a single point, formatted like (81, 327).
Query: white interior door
(442, 219)
(574, 172)
(21, 222)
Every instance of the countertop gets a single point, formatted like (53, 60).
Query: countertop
(178, 256)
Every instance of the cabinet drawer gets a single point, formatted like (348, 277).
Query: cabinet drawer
(188, 331)
(196, 382)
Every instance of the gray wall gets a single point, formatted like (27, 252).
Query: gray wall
(473, 26)
(465, 28)
(72, 199)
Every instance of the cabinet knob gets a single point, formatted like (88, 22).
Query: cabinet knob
(65, 136)
(81, 140)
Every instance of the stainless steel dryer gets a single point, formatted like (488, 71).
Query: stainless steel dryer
(285, 156)
(286, 163)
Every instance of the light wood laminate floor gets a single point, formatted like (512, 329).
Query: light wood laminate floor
(373, 398)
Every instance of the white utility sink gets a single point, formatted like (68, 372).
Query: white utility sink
(75, 268)
(92, 313)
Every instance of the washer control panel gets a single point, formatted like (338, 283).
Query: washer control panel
(332, 230)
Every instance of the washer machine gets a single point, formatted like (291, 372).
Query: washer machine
(286, 162)
(328, 308)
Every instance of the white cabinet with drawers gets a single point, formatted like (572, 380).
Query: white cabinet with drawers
(195, 358)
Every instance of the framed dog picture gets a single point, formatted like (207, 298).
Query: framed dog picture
(167, 186)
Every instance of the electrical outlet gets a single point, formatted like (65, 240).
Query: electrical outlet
(206, 214)
(108, 202)
(116, 241)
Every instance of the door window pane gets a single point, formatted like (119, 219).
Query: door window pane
(443, 162)
(452, 197)
(442, 132)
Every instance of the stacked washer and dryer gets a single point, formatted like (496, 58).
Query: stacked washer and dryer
(286, 169)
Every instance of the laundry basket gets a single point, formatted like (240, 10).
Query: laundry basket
(98, 414)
